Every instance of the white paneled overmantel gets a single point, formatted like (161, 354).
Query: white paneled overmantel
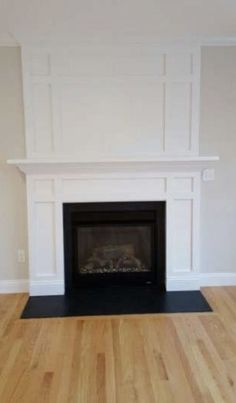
(108, 124)
(103, 102)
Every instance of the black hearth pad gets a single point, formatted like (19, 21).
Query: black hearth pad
(115, 301)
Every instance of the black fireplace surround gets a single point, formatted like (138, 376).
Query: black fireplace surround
(114, 243)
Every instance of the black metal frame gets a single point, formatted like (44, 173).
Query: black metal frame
(107, 213)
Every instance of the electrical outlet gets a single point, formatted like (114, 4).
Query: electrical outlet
(208, 175)
(21, 256)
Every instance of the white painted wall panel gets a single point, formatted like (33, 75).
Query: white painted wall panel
(178, 117)
(42, 118)
(104, 61)
(182, 216)
(113, 189)
(183, 185)
(44, 240)
(46, 196)
(112, 117)
(40, 63)
(179, 63)
(44, 189)
(99, 102)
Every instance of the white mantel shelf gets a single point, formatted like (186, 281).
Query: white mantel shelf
(63, 166)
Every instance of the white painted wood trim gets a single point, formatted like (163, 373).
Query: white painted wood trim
(181, 79)
(174, 283)
(196, 281)
(183, 282)
(14, 286)
(217, 279)
(9, 44)
(27, 95)
(44, 287)
(45, 166)
(219, 41)
(46, 193)
(203, 158)
(200, 41)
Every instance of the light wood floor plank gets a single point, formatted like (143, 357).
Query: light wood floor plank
(120, 359)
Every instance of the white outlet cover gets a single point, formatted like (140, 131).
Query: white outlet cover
(21, 256)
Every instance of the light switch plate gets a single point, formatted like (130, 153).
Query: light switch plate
(208, 175)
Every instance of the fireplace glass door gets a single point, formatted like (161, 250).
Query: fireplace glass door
(114, 249)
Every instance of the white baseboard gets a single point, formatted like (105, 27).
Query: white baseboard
(14, 286)
(183, 282)
(46, 287)
(217, 279)
(174, 283)
(196, 281)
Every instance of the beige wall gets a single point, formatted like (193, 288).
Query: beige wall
(218, 136)
(12, 183)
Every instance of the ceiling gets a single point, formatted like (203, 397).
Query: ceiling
(115, 20)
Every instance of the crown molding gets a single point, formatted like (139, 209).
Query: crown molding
(219, 41)
(5, 42)
(201, 41)
(7, 39)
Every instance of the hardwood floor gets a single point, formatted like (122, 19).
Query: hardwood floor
(179, 358)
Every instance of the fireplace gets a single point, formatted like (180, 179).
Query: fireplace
(114, 243)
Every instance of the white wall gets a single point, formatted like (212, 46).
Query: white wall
(12, 183)
(218, 136)
(218, 122)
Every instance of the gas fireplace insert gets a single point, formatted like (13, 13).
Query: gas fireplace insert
(114, 243)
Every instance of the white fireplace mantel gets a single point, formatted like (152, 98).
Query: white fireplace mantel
(63, 166)
(50, 183)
